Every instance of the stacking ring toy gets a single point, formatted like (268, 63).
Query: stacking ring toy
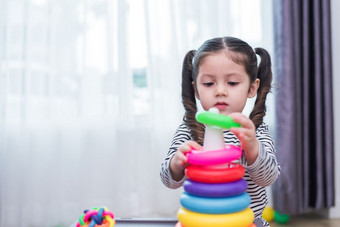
(96, 217)
(215, 119)
(224, 205)
(215, 190)
(230, 153)
(215, 174)
(194, 219)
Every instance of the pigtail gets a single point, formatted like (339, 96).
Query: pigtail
(188, 99)
(265, 75)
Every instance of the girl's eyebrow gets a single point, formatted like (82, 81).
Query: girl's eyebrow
(208, 75)
(228, 74)
(233, 74)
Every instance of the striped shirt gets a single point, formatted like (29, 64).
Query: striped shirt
(263, 172)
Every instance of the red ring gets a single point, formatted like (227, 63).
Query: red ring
(215, 174)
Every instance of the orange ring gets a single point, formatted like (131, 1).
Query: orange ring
(215, 174)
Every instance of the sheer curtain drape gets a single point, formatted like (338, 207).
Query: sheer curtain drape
(90, 98)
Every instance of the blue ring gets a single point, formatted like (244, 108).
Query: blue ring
(206, 205)
(215, 190)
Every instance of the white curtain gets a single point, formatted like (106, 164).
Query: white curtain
(90, 99)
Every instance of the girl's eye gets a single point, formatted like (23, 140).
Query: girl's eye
(233, 83)
(208, 84)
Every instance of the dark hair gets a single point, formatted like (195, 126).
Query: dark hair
(241, 53)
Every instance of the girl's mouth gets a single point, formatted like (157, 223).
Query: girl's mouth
(221, 105)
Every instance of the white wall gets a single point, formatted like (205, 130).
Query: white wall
(335, 16)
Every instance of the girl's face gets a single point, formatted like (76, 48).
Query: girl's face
(223, 84)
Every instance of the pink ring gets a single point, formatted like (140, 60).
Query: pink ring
(214, 157)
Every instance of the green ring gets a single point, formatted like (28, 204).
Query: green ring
(215, 119)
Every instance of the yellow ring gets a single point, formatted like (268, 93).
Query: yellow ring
(193, 219)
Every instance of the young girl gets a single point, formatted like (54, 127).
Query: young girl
(223, 73)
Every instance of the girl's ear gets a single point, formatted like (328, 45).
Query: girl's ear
(196, 93)
(253, 88)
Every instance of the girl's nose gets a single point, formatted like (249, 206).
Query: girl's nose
(221, 90)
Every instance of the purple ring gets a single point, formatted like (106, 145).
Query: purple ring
(216, 189)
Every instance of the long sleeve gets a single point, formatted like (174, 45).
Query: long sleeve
(265, 170)
(182, 135)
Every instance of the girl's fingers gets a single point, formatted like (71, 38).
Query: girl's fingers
(189, 145)
(194, 144)
(183, 160)
(180, 156)
(242, 120)
(184, 163)
(244, 135)
(180, 159)
(184, 148)
(241, 131)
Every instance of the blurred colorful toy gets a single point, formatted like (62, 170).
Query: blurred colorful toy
(268, 214)
(281, 218)
(96, 217)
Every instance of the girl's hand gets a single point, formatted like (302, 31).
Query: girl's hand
(179, 161)
(246, 135)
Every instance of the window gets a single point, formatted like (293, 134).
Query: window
(93, 86)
